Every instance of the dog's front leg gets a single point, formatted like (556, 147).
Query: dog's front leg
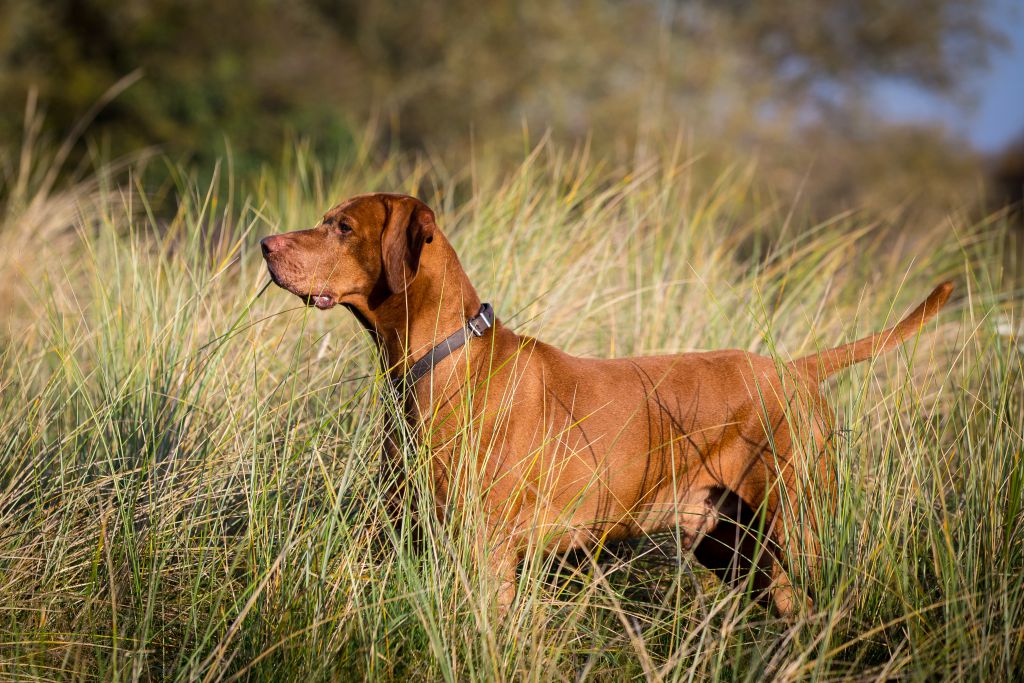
(502, 562)
(391, 478)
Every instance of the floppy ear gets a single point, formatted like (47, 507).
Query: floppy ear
(408, 226)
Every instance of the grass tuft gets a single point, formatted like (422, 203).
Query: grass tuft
(188, 468)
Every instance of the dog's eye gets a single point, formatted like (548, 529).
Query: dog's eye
(344, 228)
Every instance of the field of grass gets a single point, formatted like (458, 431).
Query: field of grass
(188, 459)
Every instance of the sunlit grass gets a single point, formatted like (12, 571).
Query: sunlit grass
(188, 469)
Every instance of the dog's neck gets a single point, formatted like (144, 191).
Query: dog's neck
(436, 303)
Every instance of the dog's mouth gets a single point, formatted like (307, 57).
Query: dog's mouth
(321, 301)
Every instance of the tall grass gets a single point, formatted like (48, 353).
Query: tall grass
(188, 466)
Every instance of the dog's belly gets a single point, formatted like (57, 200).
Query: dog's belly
(592, 485)
(691, 513)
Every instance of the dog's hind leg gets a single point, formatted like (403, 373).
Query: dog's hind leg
(742, 547)
(730, 547)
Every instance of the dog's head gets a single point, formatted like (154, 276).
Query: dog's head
(363, 251)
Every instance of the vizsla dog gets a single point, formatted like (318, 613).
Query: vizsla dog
(572, 452)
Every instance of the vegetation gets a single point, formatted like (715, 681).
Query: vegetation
(441, 66)
(450, 76)
(187, 469)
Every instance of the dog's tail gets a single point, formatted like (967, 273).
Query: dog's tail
(819, 366)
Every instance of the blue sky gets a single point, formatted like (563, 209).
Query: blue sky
(997, 114)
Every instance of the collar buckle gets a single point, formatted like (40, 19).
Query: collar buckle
(482, 322)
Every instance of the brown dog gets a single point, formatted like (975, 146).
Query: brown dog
(576, 451)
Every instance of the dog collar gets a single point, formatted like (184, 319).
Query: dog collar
(474, 327)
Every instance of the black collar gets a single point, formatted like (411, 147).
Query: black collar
(474, 327)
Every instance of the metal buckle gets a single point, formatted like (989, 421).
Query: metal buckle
(482, 316)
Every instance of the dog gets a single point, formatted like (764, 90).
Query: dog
(573, 452)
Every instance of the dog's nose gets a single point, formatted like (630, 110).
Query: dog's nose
(270, 244)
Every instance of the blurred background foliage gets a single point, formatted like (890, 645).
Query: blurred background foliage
(782, 83)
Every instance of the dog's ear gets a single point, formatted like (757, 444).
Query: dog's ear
(408, 226)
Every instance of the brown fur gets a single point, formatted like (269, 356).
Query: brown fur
(578, 451)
